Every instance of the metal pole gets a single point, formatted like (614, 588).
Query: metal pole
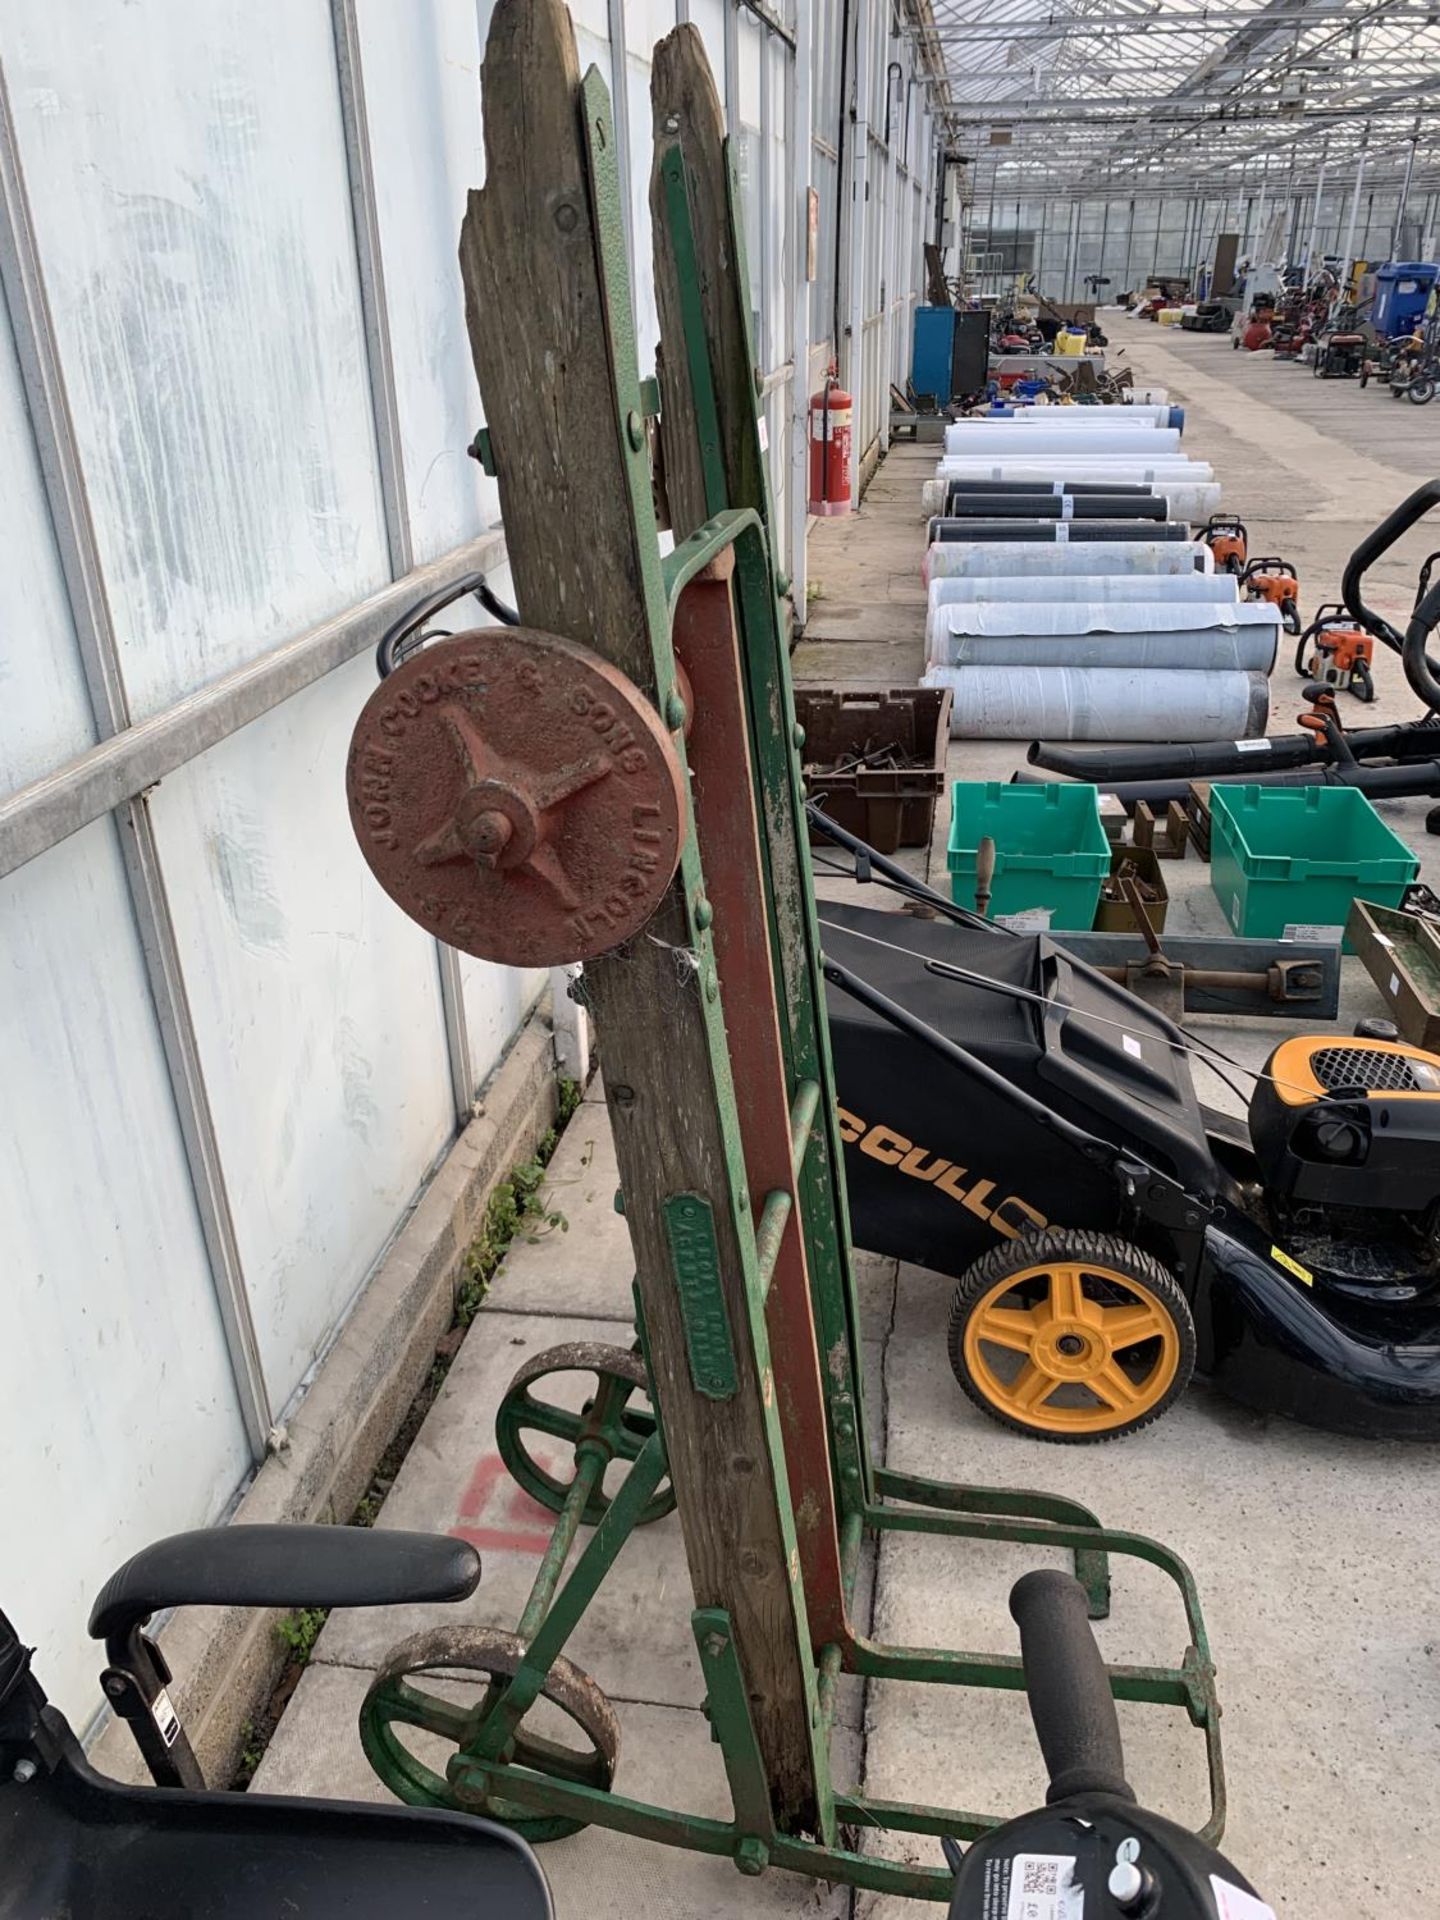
(1404, 193)
(1349, 253)
(1260, 210)
(1129, 244)
(859, 217)
(1040, 245)
(800, 132)
(380, 361)
(1072, 247)
(889, 258)
(1312, 252)
(1104, 236)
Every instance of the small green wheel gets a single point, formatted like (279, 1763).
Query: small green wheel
(1071, 1336)
(608, 1417)
(464, 1660)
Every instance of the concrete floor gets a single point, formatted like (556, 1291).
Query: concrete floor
(1315, 1556)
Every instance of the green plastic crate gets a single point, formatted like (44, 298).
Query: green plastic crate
(1050, 848)
(1297, 856)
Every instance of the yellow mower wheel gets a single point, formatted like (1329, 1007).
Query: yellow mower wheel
(1071, 1336)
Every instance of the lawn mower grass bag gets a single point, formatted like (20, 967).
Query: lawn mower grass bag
(939, 1166)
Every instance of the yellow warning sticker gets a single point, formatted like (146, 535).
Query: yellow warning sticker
(1282, 1259)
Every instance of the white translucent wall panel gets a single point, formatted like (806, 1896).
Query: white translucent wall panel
(186, 170)
(646, 22)
(317, 1006)
(422, 91)
(120, 1416)
(591, 21)
(497, 1000)
(44, 710)
(708, 17)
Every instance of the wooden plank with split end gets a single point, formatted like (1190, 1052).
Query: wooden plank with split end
(712, 444)
(725, 816)
(554, 366)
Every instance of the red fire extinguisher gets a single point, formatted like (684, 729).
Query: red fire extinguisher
(831, 411)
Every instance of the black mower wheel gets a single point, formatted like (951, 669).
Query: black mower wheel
(1071, 1336)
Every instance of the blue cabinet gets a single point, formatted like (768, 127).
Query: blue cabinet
(950, 356)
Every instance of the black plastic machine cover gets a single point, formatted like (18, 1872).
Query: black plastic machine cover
(1052, 531)
(1095, 1054)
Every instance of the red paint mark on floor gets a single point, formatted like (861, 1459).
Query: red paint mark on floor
(513, 1521)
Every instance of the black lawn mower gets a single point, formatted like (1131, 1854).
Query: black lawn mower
(1014, 1119)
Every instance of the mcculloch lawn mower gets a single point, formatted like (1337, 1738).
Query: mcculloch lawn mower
(1014, 1119)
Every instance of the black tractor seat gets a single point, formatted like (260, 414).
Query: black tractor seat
(77, 1846)
(74, 1844)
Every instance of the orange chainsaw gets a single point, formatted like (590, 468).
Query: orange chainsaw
(1336, 653)
(1274, 580)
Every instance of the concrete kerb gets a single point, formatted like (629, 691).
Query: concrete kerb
(226, 1660)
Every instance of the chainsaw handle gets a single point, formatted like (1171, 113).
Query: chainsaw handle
(1069, 1689)
(1375, 544)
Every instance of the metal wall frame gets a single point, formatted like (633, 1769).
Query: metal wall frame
(389, 451)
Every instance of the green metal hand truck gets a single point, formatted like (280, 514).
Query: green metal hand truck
(617, 780)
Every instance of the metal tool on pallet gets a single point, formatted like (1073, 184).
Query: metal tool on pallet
(530, 792)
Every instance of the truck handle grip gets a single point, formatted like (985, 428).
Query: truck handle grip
(1070, 1699)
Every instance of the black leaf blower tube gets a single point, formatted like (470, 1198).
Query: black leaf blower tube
(1243, 759)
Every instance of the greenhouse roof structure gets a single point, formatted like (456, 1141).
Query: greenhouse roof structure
(1182, 96)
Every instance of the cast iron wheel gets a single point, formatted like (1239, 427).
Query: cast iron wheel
(1365, 374)
(607, 1417)
(487, 1657)
(1071, 1336)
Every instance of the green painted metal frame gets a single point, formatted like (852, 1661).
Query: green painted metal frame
(870, 1501)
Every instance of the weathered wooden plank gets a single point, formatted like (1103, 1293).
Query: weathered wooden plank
(725, 812)
(583, 565)
(686, 112)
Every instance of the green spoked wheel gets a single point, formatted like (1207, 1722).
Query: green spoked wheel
(613, 1415)
(410, 1732)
